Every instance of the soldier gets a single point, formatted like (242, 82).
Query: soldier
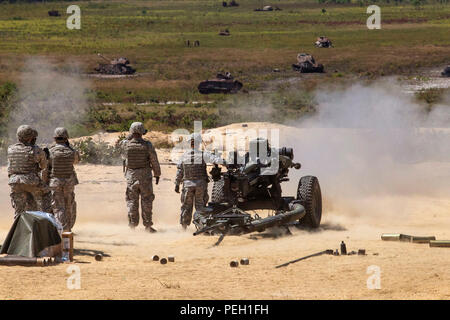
(140, 160)
(63, 178)
(191, 170)
(44, 194)
(25, 162)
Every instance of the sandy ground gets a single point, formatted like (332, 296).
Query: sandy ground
(408, 271)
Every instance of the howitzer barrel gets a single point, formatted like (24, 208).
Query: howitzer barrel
(297, 212)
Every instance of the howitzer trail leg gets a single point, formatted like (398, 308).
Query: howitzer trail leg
(219, 240)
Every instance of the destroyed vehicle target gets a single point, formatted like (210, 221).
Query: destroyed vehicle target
(223, 83)
(120, 66)
(307, 64)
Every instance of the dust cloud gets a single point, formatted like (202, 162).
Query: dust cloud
(49, 97)
(372, 146)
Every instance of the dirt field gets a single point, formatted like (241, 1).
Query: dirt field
(408, 271)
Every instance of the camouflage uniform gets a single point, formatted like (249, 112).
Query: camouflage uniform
(44, 195)
(63, 179)
(25, 161)
(191, 170)
(140, 160)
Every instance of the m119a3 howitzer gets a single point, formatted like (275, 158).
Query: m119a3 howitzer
(255, 185)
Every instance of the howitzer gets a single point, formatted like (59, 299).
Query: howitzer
(253, 186)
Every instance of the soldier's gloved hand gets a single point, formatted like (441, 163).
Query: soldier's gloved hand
(156, 180)
(177, 188)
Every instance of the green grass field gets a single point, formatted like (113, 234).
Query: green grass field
(152, 35)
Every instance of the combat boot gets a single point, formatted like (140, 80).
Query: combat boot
(132, 226)
(150, 229)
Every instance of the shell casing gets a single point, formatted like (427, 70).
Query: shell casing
(390, 236)
(234, 264)
(422, 239)
(440, 243)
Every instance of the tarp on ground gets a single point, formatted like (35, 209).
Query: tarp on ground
(31, 233)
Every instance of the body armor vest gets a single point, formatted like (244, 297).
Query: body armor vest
(137, 155)
(21, 160)
(63, 158)
(193, 168)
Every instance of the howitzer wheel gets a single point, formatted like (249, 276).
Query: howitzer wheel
(310, 196)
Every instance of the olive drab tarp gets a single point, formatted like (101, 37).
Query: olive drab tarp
(31, 233)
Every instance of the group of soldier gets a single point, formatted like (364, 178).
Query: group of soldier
(45, 179)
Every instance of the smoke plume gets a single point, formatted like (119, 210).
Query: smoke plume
(369, 141)
(49, 98)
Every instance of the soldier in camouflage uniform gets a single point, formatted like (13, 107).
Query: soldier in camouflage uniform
(63, 178)
(44, 195)
(191, 170)
(140, 160)
(25, 163)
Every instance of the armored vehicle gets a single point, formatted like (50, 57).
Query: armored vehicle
(225, 32)
(323, 42)
(307, 64)
(223, 83)
(54, 13)
(255, 186)
(116, 66)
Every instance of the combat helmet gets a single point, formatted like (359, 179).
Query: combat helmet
(25, 133)
(138, 128)
(61, 133)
